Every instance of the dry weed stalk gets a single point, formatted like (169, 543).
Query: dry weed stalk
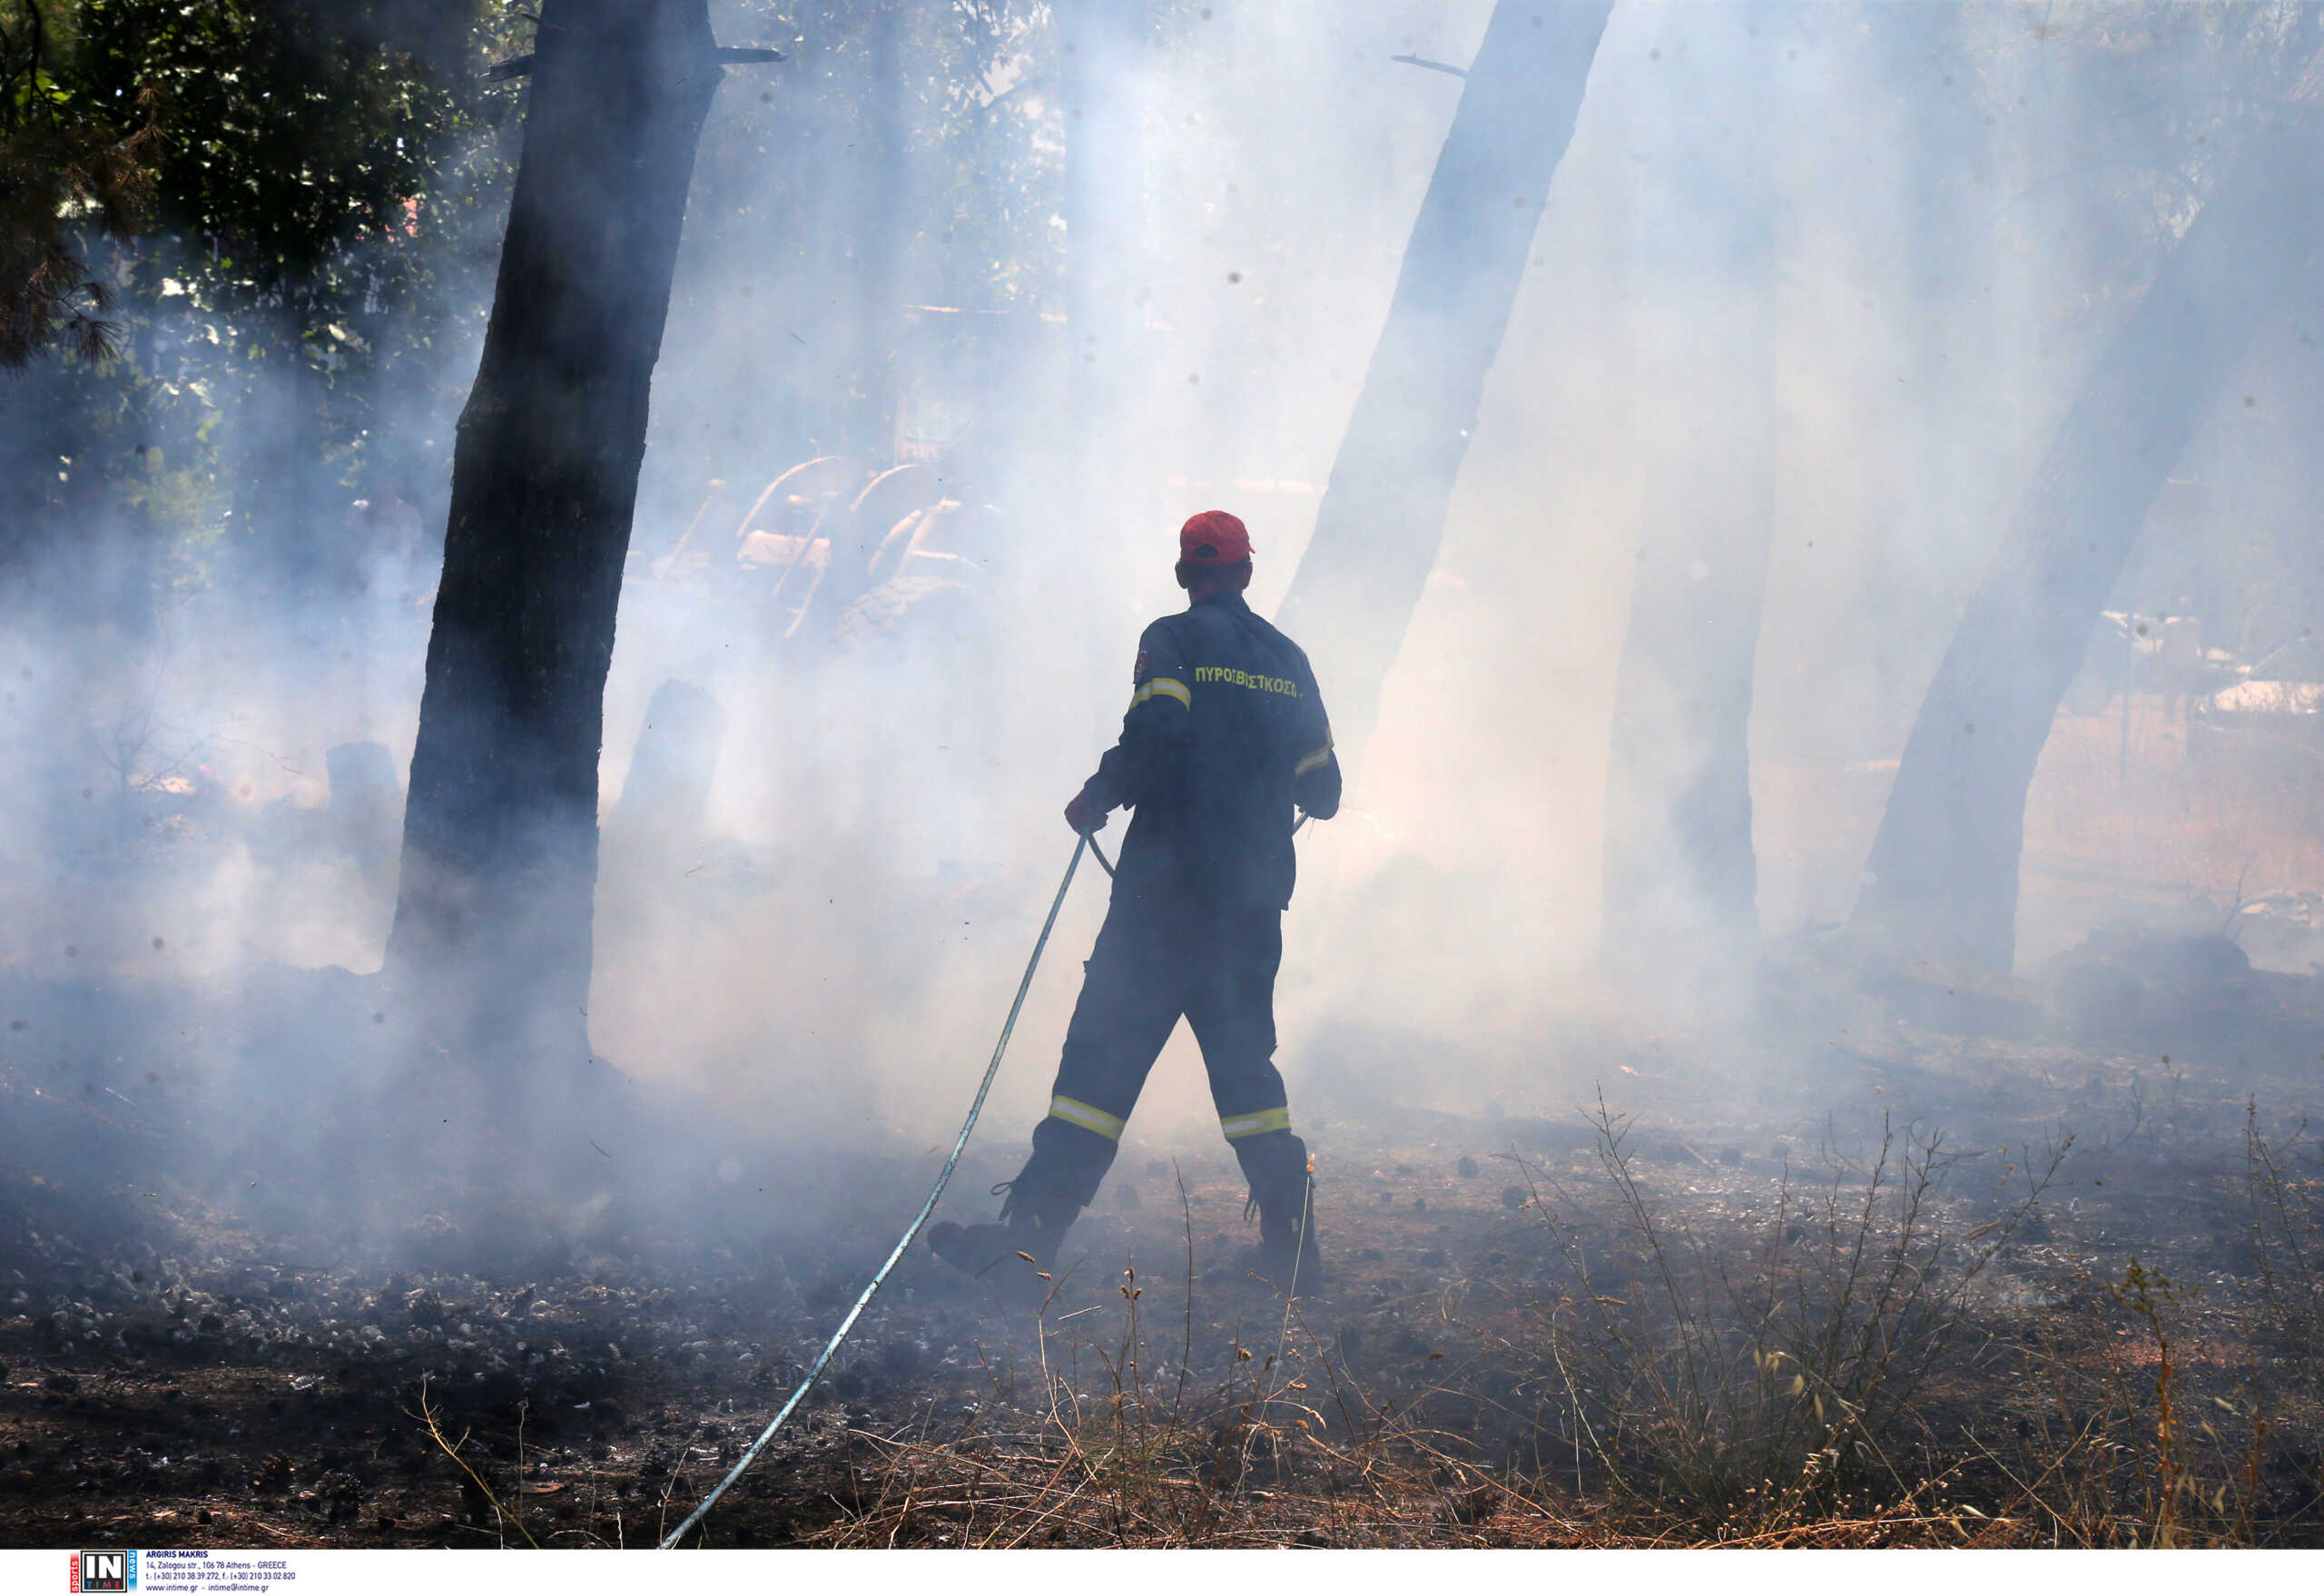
(2122, 1449)
(1282, 1445)
(1824, 1370)
(2287, 1236)
(1755, 1399)
(451, 1449)
(2146, 1294)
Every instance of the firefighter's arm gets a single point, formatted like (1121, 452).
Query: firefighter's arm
(1154, 731)
(1316, 778)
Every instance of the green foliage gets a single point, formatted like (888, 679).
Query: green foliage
(62, 163)
(286, 208)
(292, 134)
(284, 277)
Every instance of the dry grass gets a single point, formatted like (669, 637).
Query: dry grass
(1284, 1446)
(1829, 1370)
(1915, 1345)
(1752, 1378)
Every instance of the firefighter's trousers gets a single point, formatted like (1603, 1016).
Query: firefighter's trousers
(1159, 957)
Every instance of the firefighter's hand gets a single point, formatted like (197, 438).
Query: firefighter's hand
(1085, 817)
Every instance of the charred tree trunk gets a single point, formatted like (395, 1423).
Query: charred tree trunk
(1382, 521)
(670, 774)
(500, 828)
(1941, 879)
(1681, 882)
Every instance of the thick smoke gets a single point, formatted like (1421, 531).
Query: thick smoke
(811, 911)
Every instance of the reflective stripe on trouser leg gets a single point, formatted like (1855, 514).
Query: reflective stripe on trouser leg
(1073, 1112)
(1239, 1125)
(1120, 1022)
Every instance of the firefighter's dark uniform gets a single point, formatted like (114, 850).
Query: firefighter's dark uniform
(1226, 734)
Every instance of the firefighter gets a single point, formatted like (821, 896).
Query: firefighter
(1224, 738)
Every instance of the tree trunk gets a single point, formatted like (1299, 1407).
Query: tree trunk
(500, 828)
(1941, 879)
(1382, 521)
(1681, 882)
(676, 758)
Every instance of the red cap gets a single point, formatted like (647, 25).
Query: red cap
(1214, 538)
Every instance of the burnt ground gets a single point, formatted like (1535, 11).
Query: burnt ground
(2088, 1316)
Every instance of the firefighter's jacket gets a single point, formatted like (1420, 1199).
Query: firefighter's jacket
(1225, 734)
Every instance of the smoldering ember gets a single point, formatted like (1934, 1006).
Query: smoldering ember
(1690, 640)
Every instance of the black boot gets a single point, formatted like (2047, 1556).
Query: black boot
(1014, 1255)
(1287, 1256)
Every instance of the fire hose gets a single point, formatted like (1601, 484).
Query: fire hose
(943, 1176)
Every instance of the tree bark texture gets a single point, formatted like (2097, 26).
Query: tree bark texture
(500, 830)
(1681, 882)
(1942, 881)
(1382, 521)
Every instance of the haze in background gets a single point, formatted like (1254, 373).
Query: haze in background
(1963, 208)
